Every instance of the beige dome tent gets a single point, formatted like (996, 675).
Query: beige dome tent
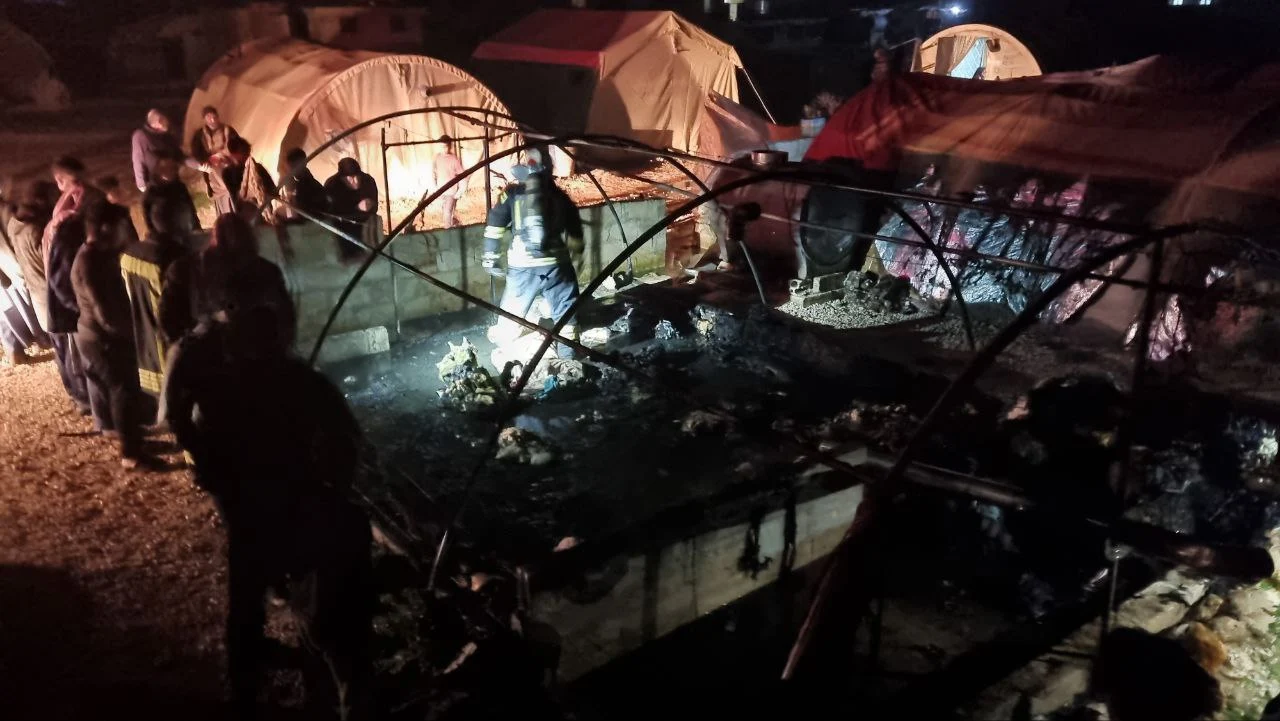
(984, 52)
(639, 75)
(283, 93)
(26, 75)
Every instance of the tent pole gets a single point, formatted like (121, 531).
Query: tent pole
(759, 97)
(488, 200)
(386, 200)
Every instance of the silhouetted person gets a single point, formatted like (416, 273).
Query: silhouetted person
(143, 266)
(62, 238)
(353, 197)
(300, 187)
(1143, 676)
(228, 273)
(276, 446)
(167, 188)
(105, 329)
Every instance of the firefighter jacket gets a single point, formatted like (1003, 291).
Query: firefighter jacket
(542, 220)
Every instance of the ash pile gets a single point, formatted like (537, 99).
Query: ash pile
(719, 410)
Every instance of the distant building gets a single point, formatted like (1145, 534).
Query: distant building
(178, 48)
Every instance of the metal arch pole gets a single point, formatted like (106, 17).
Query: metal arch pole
(863, 521)
(488, 200)
(946, 269)
(395, 233)
(558, 327)
(460, 293)
(386, 192)
(622, 231)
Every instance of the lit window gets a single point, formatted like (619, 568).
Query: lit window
(1175, 2)
(1206, 2)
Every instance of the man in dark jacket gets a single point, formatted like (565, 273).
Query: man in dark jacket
(276, 447)
(353, 196)
(546, 243)
(63, 236)
(301, 189)
(169, 191)
(105, 328)
(143, 266)
(151, 142)
(227, 274)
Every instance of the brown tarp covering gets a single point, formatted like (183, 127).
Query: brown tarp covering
(645, 75)
(283, 93)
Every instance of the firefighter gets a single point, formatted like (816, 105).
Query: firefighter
(546, 244)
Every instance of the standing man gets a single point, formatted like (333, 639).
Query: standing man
(211, 146)
(150, 142)
(104, 332)
(143, 266)
(448, 166)
(63, 236)
(168, 191)
(546, 243)
(247, 187)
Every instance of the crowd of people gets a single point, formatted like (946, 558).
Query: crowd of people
(150, 332)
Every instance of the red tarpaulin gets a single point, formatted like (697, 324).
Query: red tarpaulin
(1155, 121)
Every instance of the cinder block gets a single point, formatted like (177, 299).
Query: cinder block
(355, 344)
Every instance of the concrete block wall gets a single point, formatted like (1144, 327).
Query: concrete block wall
(316, 276)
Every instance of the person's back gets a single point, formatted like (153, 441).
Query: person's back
(276, 446)
(99, 289)
(24, 229)
(352, 193)
(228, 274)
(143, 266)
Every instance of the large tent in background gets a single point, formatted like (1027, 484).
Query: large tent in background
(640, 75)
(982, 52)
(1159, 142)
(26, 72)
(283, 93)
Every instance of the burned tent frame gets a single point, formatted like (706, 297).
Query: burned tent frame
(850, 559)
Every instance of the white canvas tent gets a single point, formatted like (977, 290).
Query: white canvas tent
(26, 75)
(639, 75)
(283, 93)
(984, 52)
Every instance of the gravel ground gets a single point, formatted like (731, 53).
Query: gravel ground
(111, 582)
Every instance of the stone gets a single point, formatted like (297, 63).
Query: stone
(516, 445)
(699, 422)
(1251, 600)
(1208, 607)
(1230, 630)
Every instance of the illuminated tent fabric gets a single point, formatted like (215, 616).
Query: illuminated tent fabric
(966, 49)
(640, 75)
(283, 93)
(26, 75)
(1156, 123)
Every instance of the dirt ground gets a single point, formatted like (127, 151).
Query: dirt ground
(111, 581)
